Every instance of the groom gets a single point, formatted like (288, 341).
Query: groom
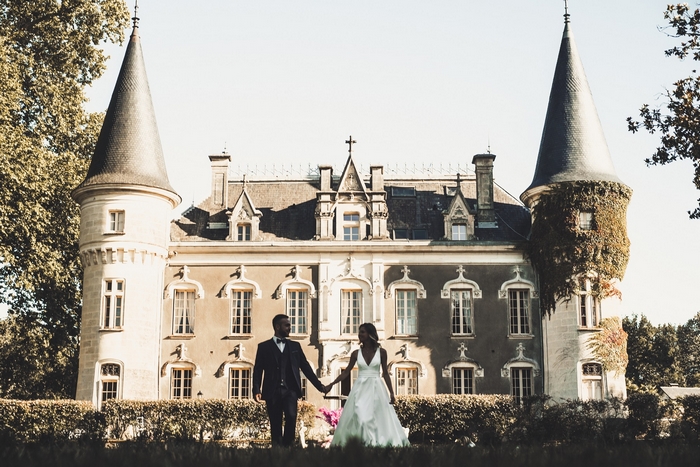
(280, 360)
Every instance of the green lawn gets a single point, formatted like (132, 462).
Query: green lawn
(200, 455)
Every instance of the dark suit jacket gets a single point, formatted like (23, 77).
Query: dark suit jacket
(267, 361)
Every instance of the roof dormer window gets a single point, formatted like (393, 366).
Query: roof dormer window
(351, 226)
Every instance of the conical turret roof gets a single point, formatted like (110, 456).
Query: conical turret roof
(573, 145)
(128, 150)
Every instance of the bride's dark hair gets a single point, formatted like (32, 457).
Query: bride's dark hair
(371, 332)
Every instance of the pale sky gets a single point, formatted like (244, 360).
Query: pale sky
(419, 82)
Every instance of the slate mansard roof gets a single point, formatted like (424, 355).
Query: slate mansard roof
(288, 210)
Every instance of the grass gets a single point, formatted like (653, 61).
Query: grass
(209, 454)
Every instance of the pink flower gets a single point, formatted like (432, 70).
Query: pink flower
(330, 416)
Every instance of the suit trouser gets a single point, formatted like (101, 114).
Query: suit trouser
(284, 402)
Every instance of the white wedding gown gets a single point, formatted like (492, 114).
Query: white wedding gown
(368, 415)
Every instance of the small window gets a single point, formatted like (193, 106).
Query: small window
(183, 312)
(181, 383)
(462, 316)
(420, 234)
(297, 310)
(109, 380)
(400, 234)
(113, 304)
(239, 387)
(588, 306)
(459, 231)
(403, 191)
(304, 386)
(351, 226)
(406, 381)
(585, 220)
(243, 232)
(116, 221)
(241, 311)
(462, 380)
(521, 383)
(592, 381)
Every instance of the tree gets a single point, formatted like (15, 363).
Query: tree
(49, 52)
(679, 122)
(689, 349)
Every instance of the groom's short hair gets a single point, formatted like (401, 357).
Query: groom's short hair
(276, 320)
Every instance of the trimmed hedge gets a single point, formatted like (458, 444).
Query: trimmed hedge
(48, 421)
(482, 419)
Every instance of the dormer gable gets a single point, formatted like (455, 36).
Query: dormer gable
(459, 217)
(244, 219)
(351, 182)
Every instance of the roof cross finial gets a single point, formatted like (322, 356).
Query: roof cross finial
(566, 11)
(350, 142)
(136, 18)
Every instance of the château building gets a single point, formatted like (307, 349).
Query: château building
(434, 258)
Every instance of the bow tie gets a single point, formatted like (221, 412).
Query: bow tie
(281, 340)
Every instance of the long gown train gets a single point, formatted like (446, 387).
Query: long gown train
(367, 414)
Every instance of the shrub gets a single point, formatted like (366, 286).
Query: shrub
(49, 421)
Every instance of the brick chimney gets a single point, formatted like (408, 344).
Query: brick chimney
(486, 214)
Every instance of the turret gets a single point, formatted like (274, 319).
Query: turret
(125, 203)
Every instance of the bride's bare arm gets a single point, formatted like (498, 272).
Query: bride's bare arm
(346, 372)
(385, 372)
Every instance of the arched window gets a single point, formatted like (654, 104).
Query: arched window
(406, 291)
(110, 381)
(405, 379)
(181, 381)
(184, 292)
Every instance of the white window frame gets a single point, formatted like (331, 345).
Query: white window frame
(453, 377)
(406, 379)
(241, 311)
(244, 231)
(111, 378)
(459, 231)
(589, 310)
(462, 325)
(180, 374)
(519, 318)
(586, 220)
(116, 221)
(351, 226)
(592, 381)
(406, 315)
(297, 308)
(113, 304)
(519, 376)
(350, 317)
(184, 313)
(243, 391)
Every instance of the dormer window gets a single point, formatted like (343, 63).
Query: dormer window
(351, 226)
(116, 221)
(459, 231)
(244, 232)
(585, 220)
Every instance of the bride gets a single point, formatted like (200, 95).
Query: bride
(369, 414)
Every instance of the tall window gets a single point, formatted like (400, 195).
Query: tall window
(462, 380)
(521, 383)
(347, 383)
(459, 231)
(351, 311)
(116, 221)
(239, 387)
(181, 383)
(183, 312)
(406, 312)
(109, 379)
(406, 381)
(243, 232)
(518, 303)
(462, 319)
(241, 305)
(297, 304)
(113, 304)
(351, 226)
(588, 306)
(592, 381)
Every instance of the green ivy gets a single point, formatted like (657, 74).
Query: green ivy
(560, 251)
